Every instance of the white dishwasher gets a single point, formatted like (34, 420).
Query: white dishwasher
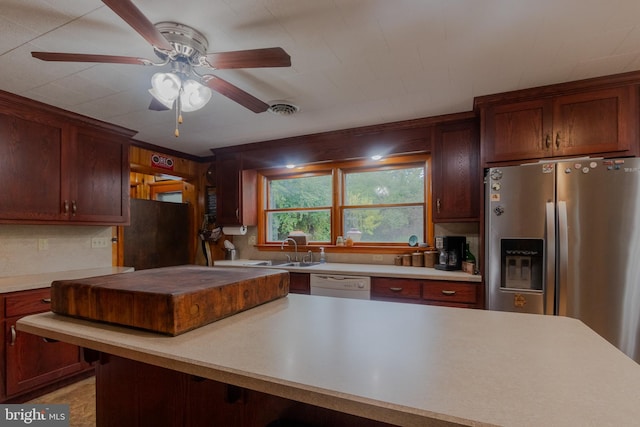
(331, 285)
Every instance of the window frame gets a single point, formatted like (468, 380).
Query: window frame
(338, 171)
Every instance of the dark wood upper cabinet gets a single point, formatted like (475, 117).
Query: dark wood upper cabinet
(602, 121)
(100, 178)
(59, 169)
(456, 185)
(31, 169)
(235, 191)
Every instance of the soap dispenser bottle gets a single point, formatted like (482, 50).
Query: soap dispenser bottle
(323, 258)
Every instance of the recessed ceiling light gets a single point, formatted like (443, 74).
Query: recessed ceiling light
(290, 166)
(376, 157)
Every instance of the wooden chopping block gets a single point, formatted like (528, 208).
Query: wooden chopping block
(169, 300)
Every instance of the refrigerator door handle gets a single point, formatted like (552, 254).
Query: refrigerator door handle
(563, 258)
(550, 237)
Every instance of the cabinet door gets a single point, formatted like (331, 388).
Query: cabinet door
(236, 192)
(517, 131)
(594, 122)
(30, 170)
(228, 190)
(456, 173)
(299, 283)
(31, 361)
(98, 178)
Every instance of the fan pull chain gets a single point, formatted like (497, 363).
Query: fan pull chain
(178, 115)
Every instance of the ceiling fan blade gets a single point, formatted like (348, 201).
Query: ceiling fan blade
(234, 93)
(136, 19)
(253, 58)
(83, 57)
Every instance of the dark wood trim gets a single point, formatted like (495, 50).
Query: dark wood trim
(170, 152)
(10, 101)
(595, 83)
(410, 136)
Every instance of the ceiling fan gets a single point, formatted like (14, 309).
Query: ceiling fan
(184, 49)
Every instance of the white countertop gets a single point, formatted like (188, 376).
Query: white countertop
(399, 363)
(378, 270)
(43, 280)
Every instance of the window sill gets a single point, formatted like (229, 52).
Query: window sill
(360, 249)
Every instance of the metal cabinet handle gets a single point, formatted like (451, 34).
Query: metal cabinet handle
(395, 289)
(558, 140)
(74, 208)
(46, 300)
(13, 335)
(447, 292)
(547, 141)
(438, 205)
(65, 207)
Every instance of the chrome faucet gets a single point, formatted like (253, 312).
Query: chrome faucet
(295, 246)
(310, 254)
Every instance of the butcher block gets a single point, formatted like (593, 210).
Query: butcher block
(169, 300)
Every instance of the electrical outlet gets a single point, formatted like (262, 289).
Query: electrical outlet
(43, 244)
(99, 242)
(377, 257)
(252, 239)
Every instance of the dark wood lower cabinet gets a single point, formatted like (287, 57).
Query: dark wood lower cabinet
(131, 393)
(413, 291)
(30, 365)
(299, 283)
(430, 292)
(32, 361)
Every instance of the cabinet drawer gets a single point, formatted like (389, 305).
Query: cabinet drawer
(395, 288)
(450, 292)
(27, 302)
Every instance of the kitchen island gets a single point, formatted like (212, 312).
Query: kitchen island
(400, 364)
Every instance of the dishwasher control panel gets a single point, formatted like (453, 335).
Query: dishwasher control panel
(357, 287)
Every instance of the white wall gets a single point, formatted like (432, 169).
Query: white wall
(68, 247)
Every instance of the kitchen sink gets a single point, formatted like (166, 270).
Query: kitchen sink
(306, 264)
(284, 263)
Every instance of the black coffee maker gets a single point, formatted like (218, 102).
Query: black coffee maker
(451, 250)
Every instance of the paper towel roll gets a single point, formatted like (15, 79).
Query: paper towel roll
(235, 231)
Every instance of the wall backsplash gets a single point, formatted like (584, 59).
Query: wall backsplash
(470, 230)
(34, 249)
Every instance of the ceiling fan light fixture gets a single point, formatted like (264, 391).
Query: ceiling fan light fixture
(194, 96)
(165, 87)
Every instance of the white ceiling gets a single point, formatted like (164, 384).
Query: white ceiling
(354, 62)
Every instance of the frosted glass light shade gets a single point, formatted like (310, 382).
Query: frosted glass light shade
(165, 87)
(194, 96)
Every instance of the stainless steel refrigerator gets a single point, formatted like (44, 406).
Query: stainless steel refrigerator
(564, 239)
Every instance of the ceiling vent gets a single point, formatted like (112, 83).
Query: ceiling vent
(283, 108)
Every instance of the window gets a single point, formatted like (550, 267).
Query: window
(384, 205)
(381, 203)
(299, 203)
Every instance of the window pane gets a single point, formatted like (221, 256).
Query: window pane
(393, 225)
(170, 196)
(385, 187)
(307, 192)
(316, 223)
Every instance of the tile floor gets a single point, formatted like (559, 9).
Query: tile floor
(81, 397)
